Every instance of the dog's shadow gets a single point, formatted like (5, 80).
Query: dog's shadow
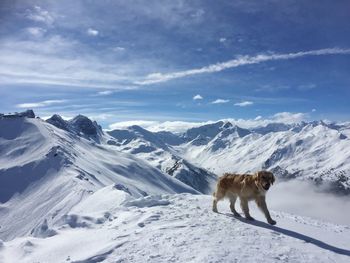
(293, 234)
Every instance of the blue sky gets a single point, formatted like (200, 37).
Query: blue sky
(176, 60)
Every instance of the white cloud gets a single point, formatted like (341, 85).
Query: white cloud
(197, 97)
(289, 117)
(39, 14)
(306, 87)
(222, 40)
(105, 92)
(62, 64)
(313, 110)
(305, 198)
(156, 126)
(181, 126)
(118, 49)
(100, 117)
(36, 31)
(272, 88)
(198, 14)
(125, 124)
(40, 104)
(220, 101)
(239, 61)
(92, 32)
(244, 103)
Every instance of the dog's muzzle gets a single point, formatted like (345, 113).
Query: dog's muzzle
(266, 186)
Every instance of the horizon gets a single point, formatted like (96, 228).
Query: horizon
(176, 61)
(284, 118)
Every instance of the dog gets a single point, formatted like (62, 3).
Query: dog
(247, 187)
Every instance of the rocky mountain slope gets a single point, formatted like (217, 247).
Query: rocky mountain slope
(45, 171)
(71, 192)
(315, 151)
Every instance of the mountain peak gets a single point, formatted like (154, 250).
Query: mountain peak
(58, 121)
(27, 114)
(84, 125)
(79, 124)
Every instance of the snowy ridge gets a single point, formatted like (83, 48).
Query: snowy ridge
(176, 228)
(132, 195)
(316, 151)
(45, 171)
(158, 152)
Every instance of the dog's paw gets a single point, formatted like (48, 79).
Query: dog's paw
(272, 222)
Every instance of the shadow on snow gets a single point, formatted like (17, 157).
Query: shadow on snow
(294, 234)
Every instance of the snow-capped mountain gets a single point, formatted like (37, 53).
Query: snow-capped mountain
(316, 151)
(71, 192)
(45, 170)
(157, 150)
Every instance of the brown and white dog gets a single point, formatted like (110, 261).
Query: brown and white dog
(247, 187)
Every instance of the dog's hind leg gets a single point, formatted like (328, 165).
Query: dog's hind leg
(233, 199)
(218, 195)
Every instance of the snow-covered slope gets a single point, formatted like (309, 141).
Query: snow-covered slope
(315, 151)
(157, 150)
(45, 171)
(71, 192)
(112, 226)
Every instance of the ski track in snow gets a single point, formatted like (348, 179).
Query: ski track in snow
(181, 228)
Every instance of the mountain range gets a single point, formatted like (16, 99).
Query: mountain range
(58, 173)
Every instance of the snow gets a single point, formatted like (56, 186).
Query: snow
(309, 151)
(180, 228)
(70, 192)
(45, 171)
(318, 151)
(157, 151)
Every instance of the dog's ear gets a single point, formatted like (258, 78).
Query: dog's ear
(259, 174)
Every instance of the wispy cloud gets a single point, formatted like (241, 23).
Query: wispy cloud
(125, 124)
(40, 104)
(244, 103)
(197, 97)
(92, 32)
(118, 49)
(289, 117)
(105, 92)
(53, 61)
(36, 31)
(155, 126)
(220, 101)
(39, 14)
(181, 126)
(306, 87)
(239, 61)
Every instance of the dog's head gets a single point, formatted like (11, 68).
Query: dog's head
(264, 179)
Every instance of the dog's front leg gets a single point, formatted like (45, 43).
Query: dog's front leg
(260, 201)
(245, 208)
